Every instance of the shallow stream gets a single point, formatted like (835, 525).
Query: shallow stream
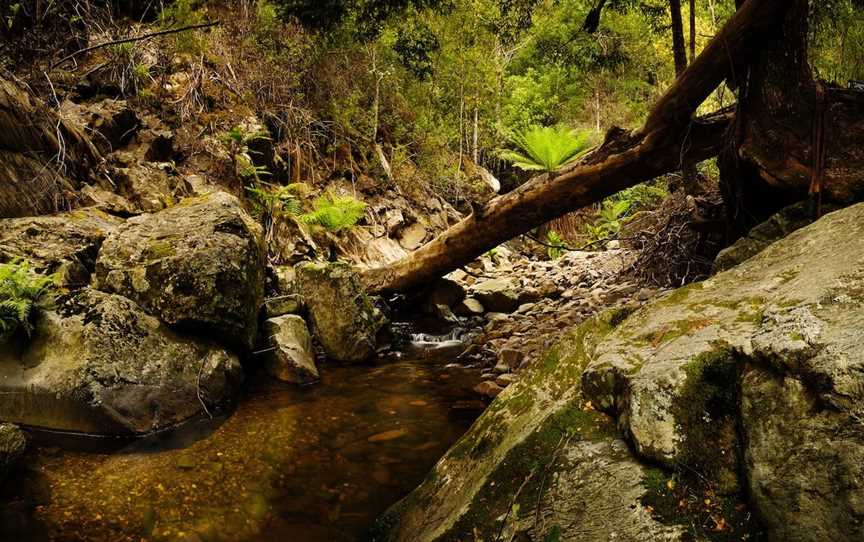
(305, 465)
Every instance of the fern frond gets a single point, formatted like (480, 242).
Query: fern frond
(546, 148)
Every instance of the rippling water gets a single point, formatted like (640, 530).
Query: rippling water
(306, 465)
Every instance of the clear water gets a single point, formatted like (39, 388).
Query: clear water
(315, 464)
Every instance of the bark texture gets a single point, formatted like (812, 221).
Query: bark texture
(784, 115)
(668, 137)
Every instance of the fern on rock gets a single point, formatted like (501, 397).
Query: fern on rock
(22, 292)
(335, 213)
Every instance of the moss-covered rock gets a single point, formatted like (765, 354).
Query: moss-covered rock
(100, 364)
(65, 244)
(344, 319)
(540, 460)
(199, 265)
(672, 375)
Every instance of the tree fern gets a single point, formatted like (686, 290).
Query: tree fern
(546, 148)
(21, 293)
(335, 213)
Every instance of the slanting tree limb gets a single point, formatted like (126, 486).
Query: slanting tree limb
(133, 38)
(624, 159)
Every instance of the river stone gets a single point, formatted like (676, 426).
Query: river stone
(593, 488)
(442, 292)
(784, 328)
(282, 305)
(13, 444)
(66, 243)
(199, 264)
(497, 295)
(100, 364)
(292, 360)
(343, 317)
(469, 307)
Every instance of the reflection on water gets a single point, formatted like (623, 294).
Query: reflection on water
(289, 465)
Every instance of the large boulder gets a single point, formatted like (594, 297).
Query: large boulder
(198, 265)
(66, 243)
(538, 461)
(759, 369)
(292, 359)
(100, 364)
(777, 227)
(344, 319)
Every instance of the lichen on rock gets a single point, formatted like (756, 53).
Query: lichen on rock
(344, 319)
(198, 265)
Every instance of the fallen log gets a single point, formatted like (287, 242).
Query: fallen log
(669, 138)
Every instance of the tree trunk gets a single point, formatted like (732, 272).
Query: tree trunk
(692, 30)
(781, 117)
(679, 49)
(625, 159)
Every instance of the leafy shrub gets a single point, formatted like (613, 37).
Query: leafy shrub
(546, 148)
(615, 210)
(557, 249)
(179, 14)
(237, 139)
(271, 201)
(21, 293)
(336, 213)
(608, 223)
(126, 66)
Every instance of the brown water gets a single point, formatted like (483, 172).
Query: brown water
(305, 465)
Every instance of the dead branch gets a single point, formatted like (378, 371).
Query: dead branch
(129, 40)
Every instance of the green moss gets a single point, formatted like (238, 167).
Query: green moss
(679, 296)
(706, 410)
(536, 460)
(674, 330)
(158, 250)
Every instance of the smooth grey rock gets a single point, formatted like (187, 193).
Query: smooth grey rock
(780, 225)
(100, 364)
(497, 295)
(488, 388)
(469, 307)
(343, 317)
(443, 292)
(198, 264)
(293, 359)
(509, 358)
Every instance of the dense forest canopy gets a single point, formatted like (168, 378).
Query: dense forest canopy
(434, 80)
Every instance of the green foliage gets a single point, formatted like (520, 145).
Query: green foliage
(21, 293)
(237, 140)
(127, 67)
(837, 40)
(615, 210)
(183, 13)
(335, 213)
(546, 148)
(557, 249)
(272, 200)
(609, 220)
